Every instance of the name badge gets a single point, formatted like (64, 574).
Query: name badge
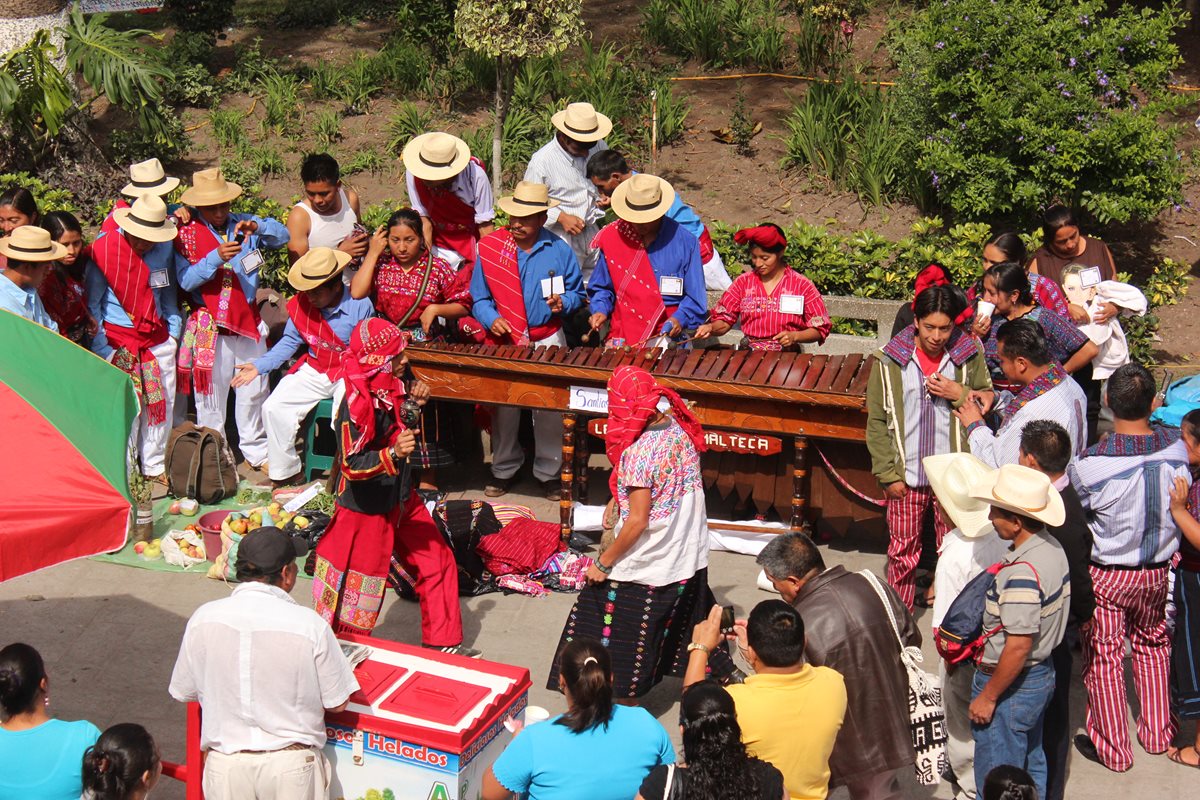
(670, 286)
(160, 279)
(791, 304)
(252, 261)
(552, 286)
(1089, 277)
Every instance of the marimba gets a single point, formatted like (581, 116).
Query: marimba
(801, 395)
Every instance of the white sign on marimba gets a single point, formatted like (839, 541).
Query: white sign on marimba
(595, 401)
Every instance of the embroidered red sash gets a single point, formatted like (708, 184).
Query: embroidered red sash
(222, 294)
(639, 311)
(324, 346)
(498, 260)
(454, 225)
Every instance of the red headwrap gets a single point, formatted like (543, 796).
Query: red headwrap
(367, 373)
(765, 236)
(632, 401)
(935, 275)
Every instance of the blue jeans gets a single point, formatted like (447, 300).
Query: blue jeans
(1014, 736)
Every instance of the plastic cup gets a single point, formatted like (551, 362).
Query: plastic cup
(535, 714)
(985, 309)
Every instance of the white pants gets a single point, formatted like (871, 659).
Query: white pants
(960, 745)
(581, 243)
(507, 455)
(152, 439)
(232, 350)
(295, 396)
(715, 276)
(283, 774)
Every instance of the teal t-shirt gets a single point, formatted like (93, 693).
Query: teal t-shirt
(45, 762)
(549, 762)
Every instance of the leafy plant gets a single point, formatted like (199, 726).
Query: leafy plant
(227, 127)
(672, 114)
(323, 79)
(208, 17)
(741, 126)
(359, 82)
(370, 160)
(251, 68)
(407, 121)
(719, 32)
(760, 37)
(403, 65)
(49, 198)
(127, 145)
(263, 159)
(281, 98)
(377, 214)
(1043, 100)
(824, 34)
(326, 129)
(191, 85)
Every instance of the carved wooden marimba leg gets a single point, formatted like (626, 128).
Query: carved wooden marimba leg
(566, 497)
(583, 454)
(800, 485)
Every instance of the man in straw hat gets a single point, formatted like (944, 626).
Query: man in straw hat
(648, 276)
(1124, 484)
(561, 164)
(321, 318)
(30, 254)
(970, 547)
(1046, 447)
(148, 177)
(851, 632)
(1026, 607)
(526, 283)
(219, 260)
(449, 188)
(1047, 392)
(608, 169)
(132, 294)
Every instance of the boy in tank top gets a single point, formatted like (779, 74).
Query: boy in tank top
(328, 214)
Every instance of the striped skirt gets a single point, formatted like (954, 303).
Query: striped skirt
(1185, 651)
(435, 440)
(646, 629)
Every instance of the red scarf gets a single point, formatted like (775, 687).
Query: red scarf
(454, 225)
(222, 293)
(367, 373)
(498, 260)
(65, 299)
(324, 347)
(129, 278)
(632, 402)
(638, 312)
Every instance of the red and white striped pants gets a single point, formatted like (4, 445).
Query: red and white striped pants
(904, 518)
(1129, 603)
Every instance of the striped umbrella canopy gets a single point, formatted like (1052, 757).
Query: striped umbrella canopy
(65, 417)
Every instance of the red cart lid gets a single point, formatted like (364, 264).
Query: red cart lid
(375, 678)
(439, 700)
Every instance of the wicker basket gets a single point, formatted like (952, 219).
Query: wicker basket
(22, 9)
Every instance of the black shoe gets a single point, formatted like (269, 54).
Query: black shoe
(497, 487)
(552, 488)
(1087, 749)
(456, 650)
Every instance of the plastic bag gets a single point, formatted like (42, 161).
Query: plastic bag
(183, 548)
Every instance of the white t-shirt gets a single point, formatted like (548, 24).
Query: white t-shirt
(959, 560)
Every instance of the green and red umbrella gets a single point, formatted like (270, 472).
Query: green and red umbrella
(65, 417)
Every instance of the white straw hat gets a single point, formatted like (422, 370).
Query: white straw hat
(582, 122)
(147, 219)
(643, 198)
(316, 267)
(209, 188)
(1023, 491)
(527, 199)
(31, 243)
(436, 156)
(148, 177)
(951, 476)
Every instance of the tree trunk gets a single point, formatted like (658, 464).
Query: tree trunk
(498, 127)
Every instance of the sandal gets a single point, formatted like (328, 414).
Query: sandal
(1177, 756)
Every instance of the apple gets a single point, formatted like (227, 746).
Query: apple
(174, 508)
(139, 548)
(301, 522)
(275, 509)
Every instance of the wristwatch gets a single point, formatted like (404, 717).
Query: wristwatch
(698, 646)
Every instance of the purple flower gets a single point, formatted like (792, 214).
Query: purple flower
(1021, 138)
(940, 45)
(1101, 78)
(1071, 63)
(934, 179)
(1050, 149)
(1121, 48)
(1084, 21)
(953, 115)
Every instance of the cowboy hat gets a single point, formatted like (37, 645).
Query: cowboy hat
(951, 476)
(582, 122)
(148, 177)
(642, 198)
(527, 199)
(316, 267)
(435, 156)
(209, 188)
(31, 243)
(1023, 491)
(147, 219)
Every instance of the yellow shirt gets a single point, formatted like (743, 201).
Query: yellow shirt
(792, 721)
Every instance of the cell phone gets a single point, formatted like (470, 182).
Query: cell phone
(1168, 376)
(241, 237)
(727, 619)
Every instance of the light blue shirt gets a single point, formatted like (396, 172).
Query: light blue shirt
(24, 303)
(342, 317)
(45, 762)
(682, 213)
(271, 235)
(548, 761)
(674, 252)
(548, 253)
(105, 307)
